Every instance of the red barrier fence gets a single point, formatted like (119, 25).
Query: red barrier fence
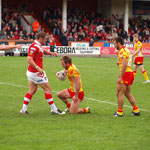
(111, 50)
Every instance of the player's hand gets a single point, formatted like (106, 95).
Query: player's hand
(55, 54)
(117, 63)
(119, 80)
(116, 51)
(75, 99)
(57, 75)
(41, 72)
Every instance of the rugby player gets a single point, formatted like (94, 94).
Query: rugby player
(75, 92)
(138, 60)
(125, 79)
(37, 76)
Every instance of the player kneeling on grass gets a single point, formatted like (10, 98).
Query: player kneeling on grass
(125, 79)
(75, 92)
(37, 76)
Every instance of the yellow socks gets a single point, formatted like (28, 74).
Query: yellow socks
(135, 109)
(145, 75)
(85, 110)
(120, 111)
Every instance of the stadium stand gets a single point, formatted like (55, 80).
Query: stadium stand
(80, 26)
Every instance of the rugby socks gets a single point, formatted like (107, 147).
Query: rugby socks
(68, 106)
(27, 100)
(85, 110)
(135, 109)
(145, 75)
(134, 72)
(120, 111)
(49, 99)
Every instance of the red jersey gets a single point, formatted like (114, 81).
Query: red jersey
(36, 51)
(52, 41)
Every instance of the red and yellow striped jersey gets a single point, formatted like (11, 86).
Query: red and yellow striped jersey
(71, 73)
(136, 46)
(125, 53)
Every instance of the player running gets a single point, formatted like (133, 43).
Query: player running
(138, 60)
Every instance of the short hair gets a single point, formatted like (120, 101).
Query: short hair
(136, 35)
(66, 59)
(120, 40)
(41, 34)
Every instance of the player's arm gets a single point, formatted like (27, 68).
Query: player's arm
(47, 52)
(123, 69)
(138, 50)
(9, 47)
(116, 51)
(34, 65)
(78, 85)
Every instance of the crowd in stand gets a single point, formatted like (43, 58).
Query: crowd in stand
(84, 26)
(11, 25)
(81, 26)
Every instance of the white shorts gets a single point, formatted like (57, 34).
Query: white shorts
(36, 78)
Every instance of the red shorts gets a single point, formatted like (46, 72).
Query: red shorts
(80, 96)
(128, 78)
(138, 60)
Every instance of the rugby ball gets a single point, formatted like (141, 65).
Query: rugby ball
(62, 75)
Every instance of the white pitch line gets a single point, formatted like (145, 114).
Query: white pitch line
(91, 99)
(100, 101)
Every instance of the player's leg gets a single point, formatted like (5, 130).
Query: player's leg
(28, 96)
(134, 69)
(132, 100)
(144, 73)
(121, 88)
(64, 95)
(48, 96)
(74, 108)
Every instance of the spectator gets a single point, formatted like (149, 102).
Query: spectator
(91, 42)
(64, 39)
(56, 30)
(70, 37)
(16, 29)
(35, 26)
(52, 43)
(148, 40)
(4, 36)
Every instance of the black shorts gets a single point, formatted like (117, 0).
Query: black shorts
(52, 48)
(138, 64)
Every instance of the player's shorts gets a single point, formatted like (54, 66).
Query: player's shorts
(80, 96)
(128, 78)
(36, 78)
(138, 61)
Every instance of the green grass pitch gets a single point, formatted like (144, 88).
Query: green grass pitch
(96, 131)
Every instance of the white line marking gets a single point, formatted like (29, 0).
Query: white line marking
(91, 99)
(100, 101)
